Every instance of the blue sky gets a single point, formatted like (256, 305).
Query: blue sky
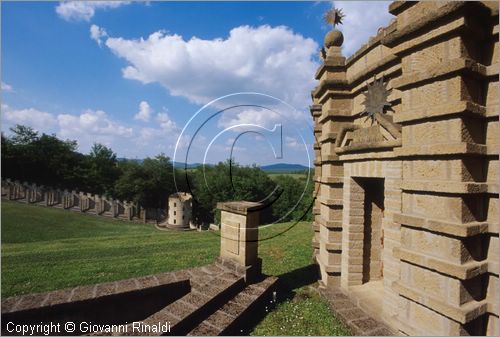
(131, 75)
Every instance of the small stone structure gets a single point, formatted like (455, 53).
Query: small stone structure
(217, 299)
(180, 208)
(406, 215)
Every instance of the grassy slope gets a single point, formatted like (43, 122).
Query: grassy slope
(45, 249)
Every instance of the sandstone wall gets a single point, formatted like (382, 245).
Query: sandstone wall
(436, 150)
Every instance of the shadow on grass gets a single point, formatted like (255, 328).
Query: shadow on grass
(286, 288)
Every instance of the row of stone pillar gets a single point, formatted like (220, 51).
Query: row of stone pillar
(77, 201)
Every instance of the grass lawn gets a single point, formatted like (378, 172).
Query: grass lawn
(45, 249)
(296, 175)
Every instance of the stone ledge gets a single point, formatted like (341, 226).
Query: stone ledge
(441, 149)
(335, 114)
(397, 7)
(328, 268)
(331, 180)
(329, 158)
(442, 110)
(334, 247)
(448, 187)
(332, 202)
(393, 38)
(336, 64)
(330, 84)
(363, 156)
(463, 271)
(369, 147)
(462, 314)
(315, 110)
(446, 68)
(239, 207)
(453, 229)
(90, 292)
(351, 315)
(329, 223)
(328, 136)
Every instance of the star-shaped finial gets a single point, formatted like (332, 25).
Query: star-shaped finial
(334, 16)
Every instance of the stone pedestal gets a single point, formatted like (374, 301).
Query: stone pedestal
(239, 237)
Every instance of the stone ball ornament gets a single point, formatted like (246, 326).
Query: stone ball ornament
(334, 38)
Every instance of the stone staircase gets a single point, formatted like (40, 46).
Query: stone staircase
(219, 302)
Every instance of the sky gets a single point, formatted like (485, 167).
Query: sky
(196, 81)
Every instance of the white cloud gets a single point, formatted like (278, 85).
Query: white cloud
(91, 123)
(272, 60)
(39, 120)
(144, 113)
(362, 20)
(254, 116)
(96, 126)
(97, 34)
(84, 10)
(165, 122)
(6, 87)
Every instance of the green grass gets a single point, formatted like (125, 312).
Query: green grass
(45, 249)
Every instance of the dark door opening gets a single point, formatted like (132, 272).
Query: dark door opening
(373, 238)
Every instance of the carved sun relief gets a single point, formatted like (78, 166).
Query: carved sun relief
(376, 99)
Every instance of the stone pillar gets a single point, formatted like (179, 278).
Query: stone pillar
(128, 210)
(331, 113)
(239, 237)
(142, 214)
(11, 191)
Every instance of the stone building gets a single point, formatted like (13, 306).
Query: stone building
(406, 170)
(179, 210)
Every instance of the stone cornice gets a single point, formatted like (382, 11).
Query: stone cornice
(331, 64)
(448, 67)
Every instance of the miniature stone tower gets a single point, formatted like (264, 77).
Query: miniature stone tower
(179, 211)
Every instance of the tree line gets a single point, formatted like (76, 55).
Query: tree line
(47, 160)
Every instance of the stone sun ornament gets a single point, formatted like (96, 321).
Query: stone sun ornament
(376, 99)
(334, 17)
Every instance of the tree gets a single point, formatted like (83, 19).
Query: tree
(148, 183)
(224, 182)
(103, 169)
(44, 159)
(295, 199)
(23, 135)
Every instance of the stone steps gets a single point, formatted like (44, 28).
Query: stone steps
(219, 303)
(231, 316)
(191, 309)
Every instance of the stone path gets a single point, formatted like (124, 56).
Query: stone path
(350, 314)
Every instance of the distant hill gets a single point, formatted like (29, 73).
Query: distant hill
(130, 159)
(183, 165)
(284, 167)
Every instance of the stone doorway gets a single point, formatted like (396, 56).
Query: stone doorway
(364, 279)
(373, 239)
